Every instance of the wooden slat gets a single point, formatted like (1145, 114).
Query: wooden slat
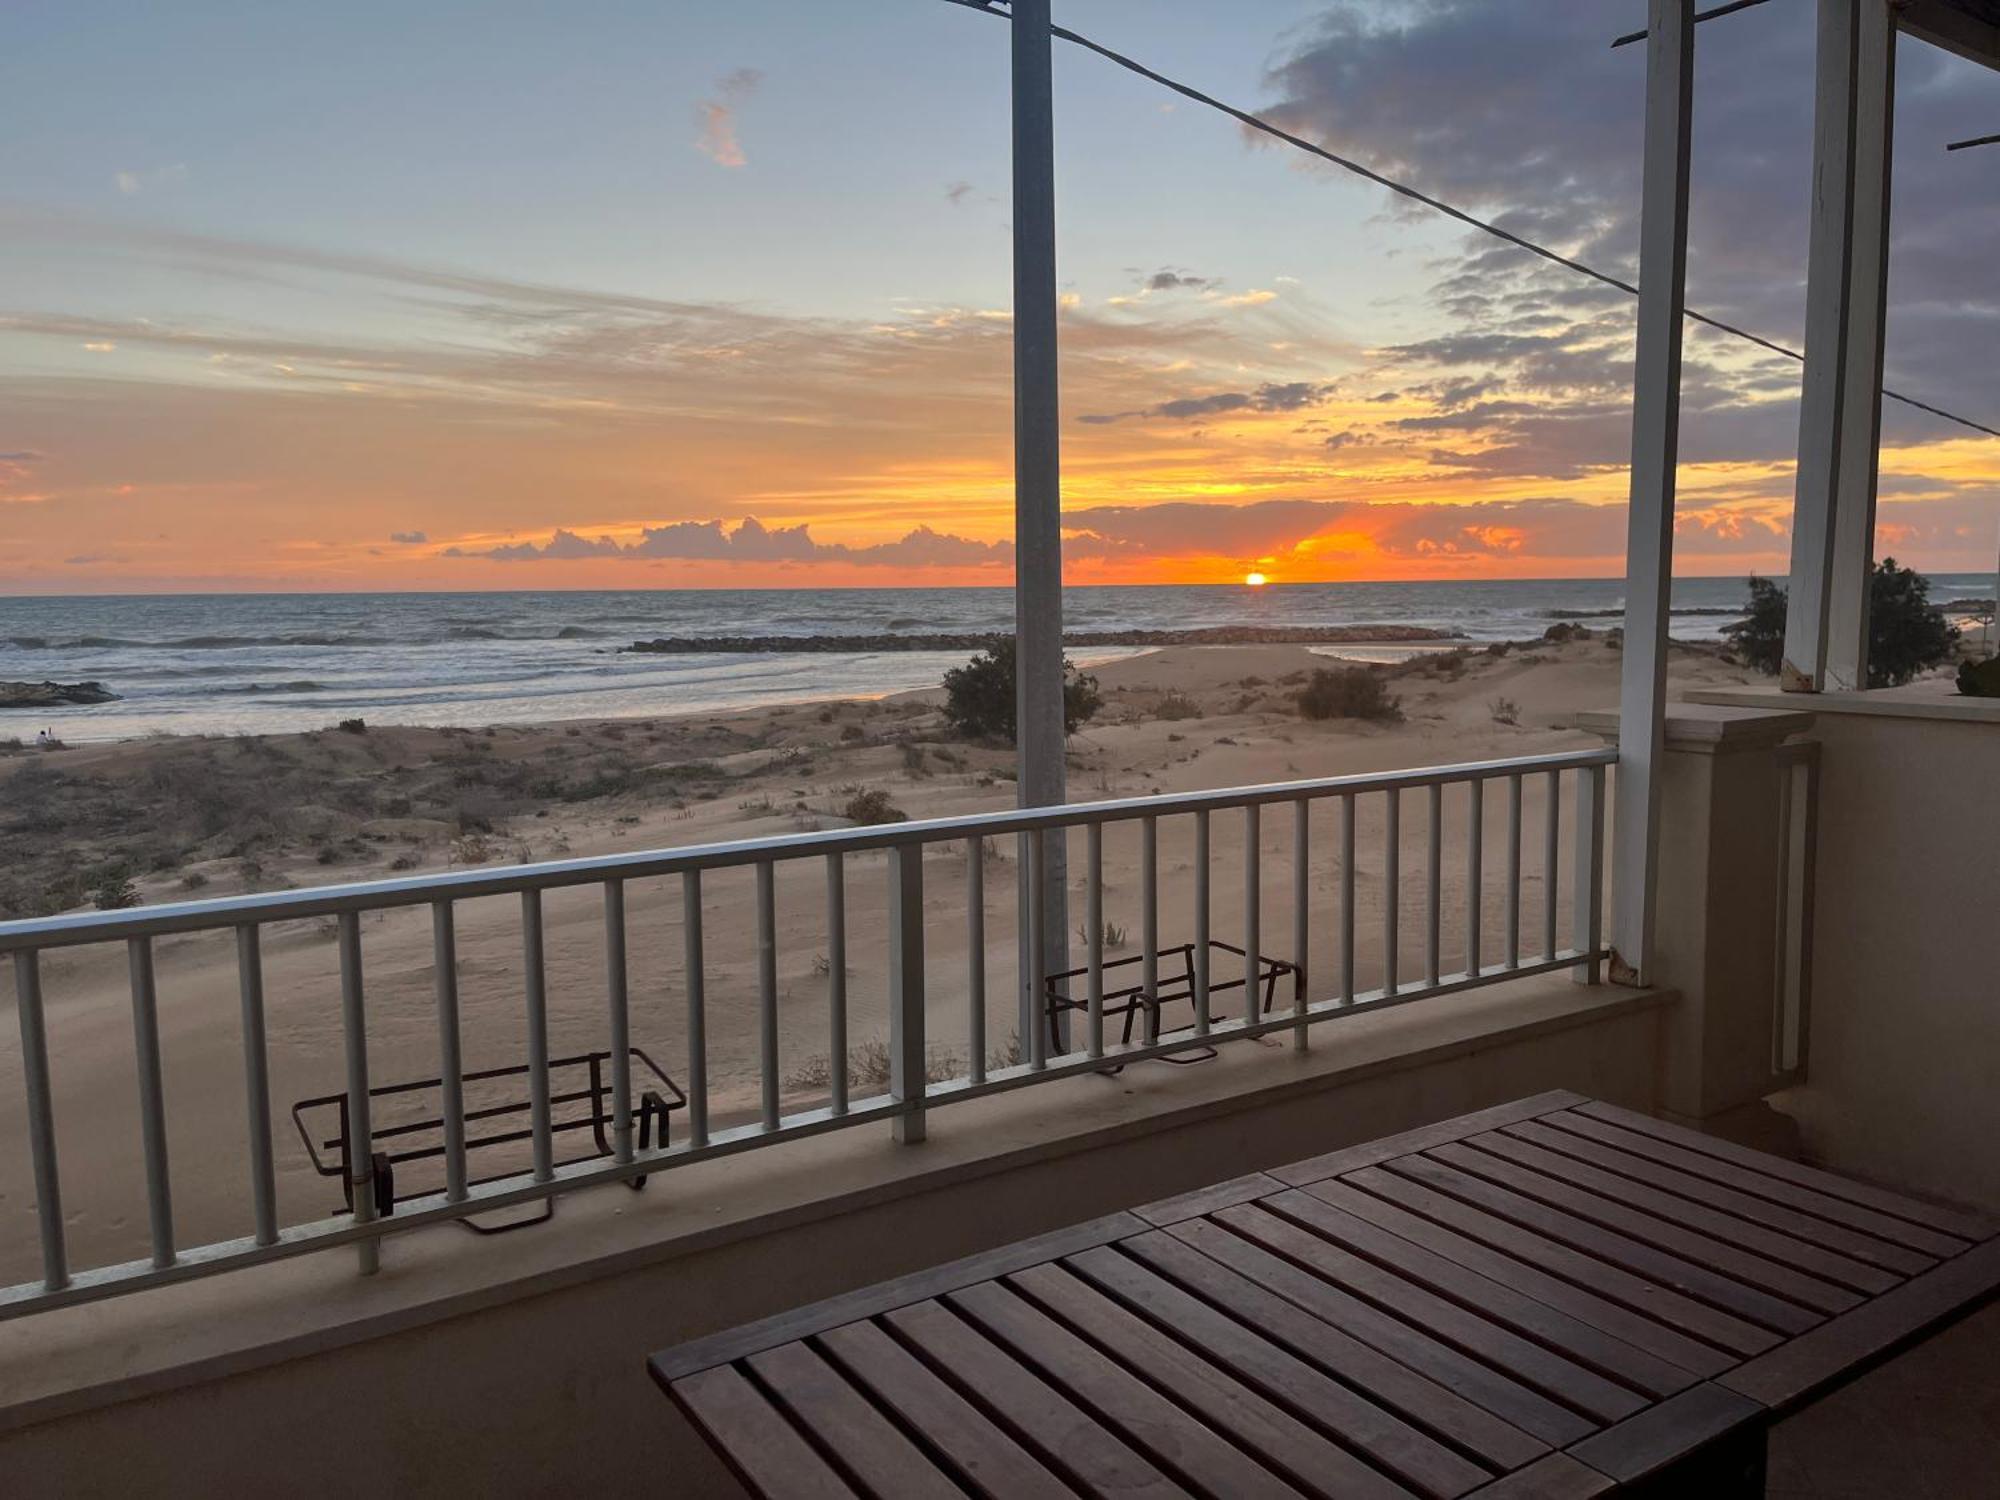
(1367, 1153)
(1960, 1223)
(763, 1448)
(1849, 1344)
(1491, 1390)
(1759, 1211)
(1421, 1400)
(1599, 1168)
(1207, 1200)
(735, 1343)
(1088, 1454)
(1643, 1445)
(1445, 1328)
(1654, 1270)
(1796, 1288)
(1776, 1189)
(1557, 1477)
(1642, 1294)
(1349, 1418)
(861, 1440)
(986, 1459)
(1610, 1339)
(1583, 1303)
(1171, 1436)
(1284, 1442)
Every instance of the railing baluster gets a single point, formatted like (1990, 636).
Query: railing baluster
(1513, 872)
(41, 1118)
(1433, 885)
(1094, 944)
(1587, 879)
(1301, 916)
(360, 1120)
(697, 1008)
(1347, 899)
(1392, 884)
(1040, 1018)
(451, 1069)
(152, 1101)
(1253, 892)
(907, 1081)
(767, 992)
(257, 1083)
(617, 990)
(1475, 875)
(1149, 924)
(836, 977)
(1551, 873)
(1581, 951)
(541, 1122)
(1202, 1016)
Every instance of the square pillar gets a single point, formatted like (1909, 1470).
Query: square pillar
(1840, 408)
(1724, 861)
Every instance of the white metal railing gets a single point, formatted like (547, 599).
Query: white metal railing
(910, 1094)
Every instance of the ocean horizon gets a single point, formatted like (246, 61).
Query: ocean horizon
(278, 663)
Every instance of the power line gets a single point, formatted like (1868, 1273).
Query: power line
(1706, 15)
(1403, 189)
(1978, 140)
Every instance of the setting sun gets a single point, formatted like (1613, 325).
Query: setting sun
(1255, 580)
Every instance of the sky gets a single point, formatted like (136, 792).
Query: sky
(525, 295)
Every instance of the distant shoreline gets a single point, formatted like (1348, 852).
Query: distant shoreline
(1212, 635)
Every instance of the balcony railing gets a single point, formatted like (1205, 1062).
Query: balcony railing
(1529, 940)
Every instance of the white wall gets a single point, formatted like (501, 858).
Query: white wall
(1903, 1068)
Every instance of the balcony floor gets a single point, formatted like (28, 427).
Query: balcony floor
(1925, 1426)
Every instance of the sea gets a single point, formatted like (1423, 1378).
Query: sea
(275, 663)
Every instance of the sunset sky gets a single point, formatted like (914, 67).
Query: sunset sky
(526, 295)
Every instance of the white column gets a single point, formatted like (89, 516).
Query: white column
(1840, 410)
(1038, 624)
(1649, 547)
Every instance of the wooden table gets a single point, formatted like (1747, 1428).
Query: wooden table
(1554, 1298)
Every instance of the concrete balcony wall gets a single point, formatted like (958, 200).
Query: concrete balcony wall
(1903, 1060)
(515, 1366)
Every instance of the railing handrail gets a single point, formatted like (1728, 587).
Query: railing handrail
(224, 912)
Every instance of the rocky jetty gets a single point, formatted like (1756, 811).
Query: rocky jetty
(1212, 635)
(53, 694)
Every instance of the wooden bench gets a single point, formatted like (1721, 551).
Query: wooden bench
(1552, 1298)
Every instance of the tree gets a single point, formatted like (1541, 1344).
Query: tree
(979, 696)
(1906, 633)
(1758, 639)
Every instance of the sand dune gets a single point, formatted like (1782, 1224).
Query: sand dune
(648, 784)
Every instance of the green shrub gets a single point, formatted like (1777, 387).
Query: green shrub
(1348, 693)
(1176, 706)
(114, 892)
(979, 696)
(1980, 679)
(871, 807)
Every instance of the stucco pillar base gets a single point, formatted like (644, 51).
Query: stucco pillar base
(1716, 927)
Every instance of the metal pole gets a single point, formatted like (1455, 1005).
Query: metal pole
(1038, 623)
(1649, 548)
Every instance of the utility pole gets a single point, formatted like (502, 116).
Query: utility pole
(1038, 625)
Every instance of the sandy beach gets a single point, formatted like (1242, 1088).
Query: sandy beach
(196, 817)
